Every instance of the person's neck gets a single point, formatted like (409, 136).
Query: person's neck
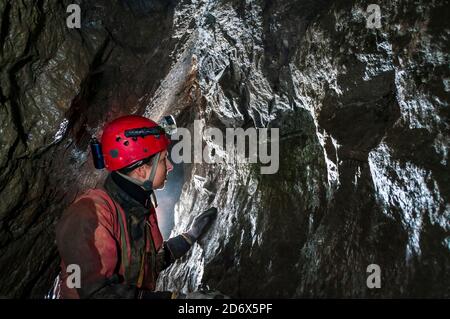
(133, 189)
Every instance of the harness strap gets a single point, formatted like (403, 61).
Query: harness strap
(123, 240)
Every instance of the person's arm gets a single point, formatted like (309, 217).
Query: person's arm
(172, 249)
(176, 247)
(84, 237)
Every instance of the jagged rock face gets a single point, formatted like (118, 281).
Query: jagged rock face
(363, 177)
(363, 118)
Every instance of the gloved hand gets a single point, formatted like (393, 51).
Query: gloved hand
(202, 223)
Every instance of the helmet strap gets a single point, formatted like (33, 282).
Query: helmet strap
(148, 184)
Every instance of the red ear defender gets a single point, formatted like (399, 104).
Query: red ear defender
(129, 139)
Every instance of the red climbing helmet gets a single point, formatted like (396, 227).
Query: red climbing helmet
(130, 139)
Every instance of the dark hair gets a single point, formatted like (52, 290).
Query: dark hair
(132, 167)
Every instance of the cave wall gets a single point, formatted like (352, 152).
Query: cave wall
(363, 118)
(363, 178)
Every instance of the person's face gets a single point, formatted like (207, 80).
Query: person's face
(164, 166)
(142, 173)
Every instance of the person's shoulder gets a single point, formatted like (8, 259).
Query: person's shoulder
(100, 197)
(87, 212)
(97, 194)
(94, 200)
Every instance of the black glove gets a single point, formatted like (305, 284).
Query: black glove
(202, 223)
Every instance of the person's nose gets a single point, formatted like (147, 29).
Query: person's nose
(169, 165)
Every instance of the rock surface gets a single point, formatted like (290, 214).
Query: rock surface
(364, 136)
